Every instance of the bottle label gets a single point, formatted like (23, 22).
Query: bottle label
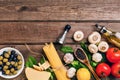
(117, 34)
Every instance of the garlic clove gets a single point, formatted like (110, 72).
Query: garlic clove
(68, 58)
(94, 38)
(78, 36)
(93, 48)
(103, 46)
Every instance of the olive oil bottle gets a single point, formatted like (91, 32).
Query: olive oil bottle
(112, 37)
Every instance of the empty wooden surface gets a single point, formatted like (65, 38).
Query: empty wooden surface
(36, 22)
(59, 10)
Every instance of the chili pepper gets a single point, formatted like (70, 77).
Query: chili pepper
(67, 49)
(93, 64)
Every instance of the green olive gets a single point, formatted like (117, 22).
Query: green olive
(5, 67)
(1, 57)
(20, 62)
(1, 62)
(7, 72)
(12, 69)
(5, 60)
(18, 67)
(16, 64)
(19, 57)
(12, 62)
(6, 55)
(9, 52)
(8, 63)
(15, 72)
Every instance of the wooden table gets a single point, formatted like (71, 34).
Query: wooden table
(36, 22)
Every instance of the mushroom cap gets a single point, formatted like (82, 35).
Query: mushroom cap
(97, 57)
(103, 46)
(78, 36)
(93, 48)
(71, 72)
(94, 38)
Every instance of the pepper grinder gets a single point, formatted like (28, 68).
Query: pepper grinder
(62, 38)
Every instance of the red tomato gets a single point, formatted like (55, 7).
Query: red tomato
(113, 55)
(115, 70)
(103, 70)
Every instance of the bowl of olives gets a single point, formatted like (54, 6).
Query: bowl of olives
(11, 62)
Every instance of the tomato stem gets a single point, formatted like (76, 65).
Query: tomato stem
(103, 75)
(116, 50)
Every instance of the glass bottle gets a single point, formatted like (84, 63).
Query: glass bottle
(112, 37)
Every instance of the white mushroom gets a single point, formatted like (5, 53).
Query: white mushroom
(71, 72)
(68, 58)
(93, 48)
(97, 57)
(94, 38)
(117, 34)
(78, 36)
(103, 46)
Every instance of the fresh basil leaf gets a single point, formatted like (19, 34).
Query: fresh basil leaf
(33, 60)
(42, 60)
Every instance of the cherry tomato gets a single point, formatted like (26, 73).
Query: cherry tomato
(115, 70)
(113, 55)
(103, 70)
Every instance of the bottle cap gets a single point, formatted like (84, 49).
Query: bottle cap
(101, 29)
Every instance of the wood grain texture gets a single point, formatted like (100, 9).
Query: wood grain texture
(41, 32)
(36, 22)
(59, 10)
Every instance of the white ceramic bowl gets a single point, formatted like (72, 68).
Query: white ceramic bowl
(19, 71)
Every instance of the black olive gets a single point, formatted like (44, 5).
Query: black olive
(15, 68)
(10, 66)
(1, 67)
(3, 72)
(11, 57)
(13, 52)
(15, 59)
(16, 55)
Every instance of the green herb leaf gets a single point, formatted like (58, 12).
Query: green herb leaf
(67, 49)
(42, 60)
(31, 61)
(27, 64)
(34, 61)
(52, 77)
(85, 48)
(76, 64)
(93, 64)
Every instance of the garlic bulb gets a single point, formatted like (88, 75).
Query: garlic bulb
(97, 57)
(94, 38)
(93, 48)
(71, 72)
(103, 46)
(68, 58)
(78, 36)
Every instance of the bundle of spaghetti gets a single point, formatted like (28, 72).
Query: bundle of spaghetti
(55, 62)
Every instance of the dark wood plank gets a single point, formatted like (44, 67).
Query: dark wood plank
(62, 10)
(41, 32)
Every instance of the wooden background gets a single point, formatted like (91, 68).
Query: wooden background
(38, 21)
